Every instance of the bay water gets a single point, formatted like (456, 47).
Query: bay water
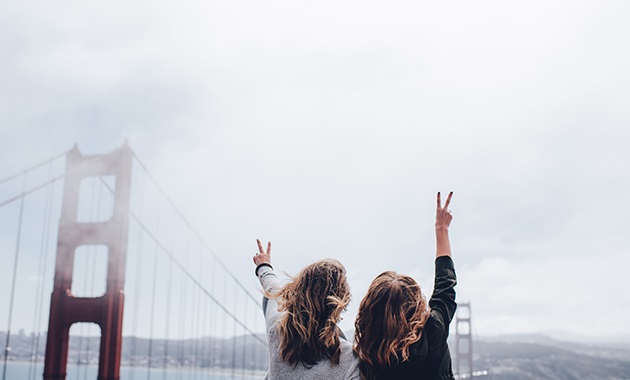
(22, 371)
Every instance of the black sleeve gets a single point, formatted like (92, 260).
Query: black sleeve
(442, 301)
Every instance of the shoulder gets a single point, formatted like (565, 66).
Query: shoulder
(348, 361)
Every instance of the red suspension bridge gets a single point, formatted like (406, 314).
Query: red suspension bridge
(96, 256)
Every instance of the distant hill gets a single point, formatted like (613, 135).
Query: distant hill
(508, 357)
(524, 357)
(240, 352)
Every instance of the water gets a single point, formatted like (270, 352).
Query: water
(20, 371)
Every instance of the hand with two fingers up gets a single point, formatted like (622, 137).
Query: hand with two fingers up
(262, 257)
(443, 219)
(443, 215)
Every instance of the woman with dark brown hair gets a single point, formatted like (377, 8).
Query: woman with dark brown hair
(397, 335)
(301, 321)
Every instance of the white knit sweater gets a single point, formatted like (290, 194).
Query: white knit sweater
(347, 369)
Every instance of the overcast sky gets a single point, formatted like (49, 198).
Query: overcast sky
(327, 127)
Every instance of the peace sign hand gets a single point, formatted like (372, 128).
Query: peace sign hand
(443, 215)
(262, 256)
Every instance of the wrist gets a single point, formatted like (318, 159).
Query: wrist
(263, 264)
(441, 230)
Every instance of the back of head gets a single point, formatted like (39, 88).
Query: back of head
(390, 319)
(313, 302)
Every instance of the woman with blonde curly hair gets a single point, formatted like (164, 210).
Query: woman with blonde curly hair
(397, 335)
(301, 321)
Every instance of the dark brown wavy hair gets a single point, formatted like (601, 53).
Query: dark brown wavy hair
(312, 304)
(391, 318)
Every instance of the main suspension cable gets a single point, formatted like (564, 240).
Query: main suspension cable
(25, 192)
(197, 235)
(40, 278)
(25, 171)
(168, 310)
(192, 278)
(185, 270)
(7, 347)
(155, 266)
(43, 273)
(137, 289)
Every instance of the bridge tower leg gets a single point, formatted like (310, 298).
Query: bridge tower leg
(463, 341)
(107, 310)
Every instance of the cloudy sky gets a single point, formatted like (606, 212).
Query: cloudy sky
(327, 127)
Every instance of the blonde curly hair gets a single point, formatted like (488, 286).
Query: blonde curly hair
(312, 304)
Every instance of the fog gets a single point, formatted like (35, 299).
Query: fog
(328, 127)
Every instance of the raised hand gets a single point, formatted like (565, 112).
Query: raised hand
(443, 219)
(443, 215)
(262, 256)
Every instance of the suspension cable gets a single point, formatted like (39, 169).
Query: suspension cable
(183, 301)
(43, 273)
(225, 321)
(204, 331)
(195, 323)
(155, 266)
(234, 335)
(25, 171)
(168, 310)
(200, 318)
(244, 353)
(190, 276)
(39, 294)
(7, 348)
(186, 271)
(138, 287)
(213, 323)
(197, 235)
(24, 192)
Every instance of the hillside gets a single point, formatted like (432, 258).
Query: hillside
(516, 357)
(539, 357)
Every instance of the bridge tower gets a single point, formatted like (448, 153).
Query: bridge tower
(106, 310)
(463, 341)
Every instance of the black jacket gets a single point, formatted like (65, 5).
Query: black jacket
(429, 358)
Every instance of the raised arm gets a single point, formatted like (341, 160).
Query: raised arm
(443, 219)
(442, 302)
(268, 280)
(264, 270)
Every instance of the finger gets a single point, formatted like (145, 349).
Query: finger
(438, 201)
(260, 247)
(448, 200)
(269, 248)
